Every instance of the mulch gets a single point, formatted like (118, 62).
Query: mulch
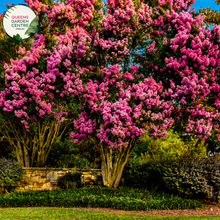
(207, 210)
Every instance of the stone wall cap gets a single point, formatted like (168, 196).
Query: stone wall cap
(40, 168)
(59, 169)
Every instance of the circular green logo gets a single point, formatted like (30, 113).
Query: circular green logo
(20, 21)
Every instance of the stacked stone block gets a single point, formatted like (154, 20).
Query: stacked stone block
(37, 178)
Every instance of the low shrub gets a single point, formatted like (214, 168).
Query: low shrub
(120, 198)
(190, 179)
(170, 148)
(194, 179)
(70, 180)
(10, 173)
(141, 174)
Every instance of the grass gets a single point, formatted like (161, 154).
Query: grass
(120, 198)
(74, 214)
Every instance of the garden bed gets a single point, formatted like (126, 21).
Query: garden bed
(121, 198)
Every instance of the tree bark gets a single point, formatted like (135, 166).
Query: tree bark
(48, 133)
(112, 166)
(29, 144)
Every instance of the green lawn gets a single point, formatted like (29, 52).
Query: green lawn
(74, 214)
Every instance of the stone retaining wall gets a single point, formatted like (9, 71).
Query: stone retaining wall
(37, 178)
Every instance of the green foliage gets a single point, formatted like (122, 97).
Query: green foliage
(170, 148)
(120, 198)
(67, 161)
(143, 169)
(66, 154)
(142, 174)
(89, 150)
(6, 150)
(10, 173)
(194, 179)
(70, 180)
(189, 178)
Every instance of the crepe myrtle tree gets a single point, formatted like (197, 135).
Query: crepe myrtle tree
(184, 56)
(85, 76)
(31, 147)
(33, 116)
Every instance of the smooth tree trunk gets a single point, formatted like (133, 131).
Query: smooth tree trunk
(113, 162)
(48, 132)
(31, 146)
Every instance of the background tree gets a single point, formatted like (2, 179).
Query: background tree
(211, 16)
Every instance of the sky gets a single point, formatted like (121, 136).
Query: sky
(198, 4)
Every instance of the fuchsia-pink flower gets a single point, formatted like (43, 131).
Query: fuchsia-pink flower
(88, 70)
(192, 68)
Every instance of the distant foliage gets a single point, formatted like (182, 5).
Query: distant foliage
(170, 148)
(70, 180)
(211, 16)
(66, 154)
(10, 173)
(71, 161)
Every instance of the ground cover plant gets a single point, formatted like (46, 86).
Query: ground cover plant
(121, 198)
(64, 213)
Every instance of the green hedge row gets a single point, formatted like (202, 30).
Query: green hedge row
(121, 198)
(190, 179)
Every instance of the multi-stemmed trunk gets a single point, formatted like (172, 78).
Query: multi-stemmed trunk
(113, 162)
(31, 146)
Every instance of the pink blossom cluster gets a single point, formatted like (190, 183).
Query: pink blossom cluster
(192, 68)
(122, 21)
(27, 92)
(177, 5)
(37, 5)
(79, 12)
(127, 115)
(82, 74)
(145, 13)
